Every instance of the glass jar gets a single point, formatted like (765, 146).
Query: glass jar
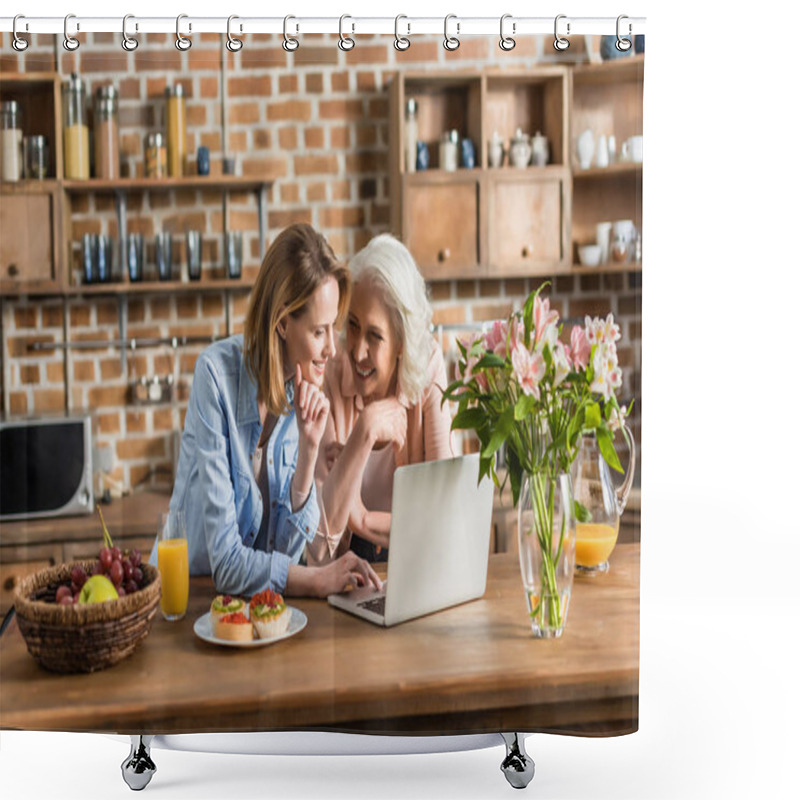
(76, 129)
(412, 134)
(448, 151)
(106, 133)
(176, 130)
(11, 141)
(155, 156)
(37, 157)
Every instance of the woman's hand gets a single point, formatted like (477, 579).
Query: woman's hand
(385, 421)
(311, 409)
(345, 574)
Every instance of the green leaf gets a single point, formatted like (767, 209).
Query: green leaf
(500, 433)
(525, 404)
(470, 418)
(593, 416)
(582, 514)
(605, 441)
(514, 470)
(575, 427)
(488, 361)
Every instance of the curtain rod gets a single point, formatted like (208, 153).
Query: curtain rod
(349, 25)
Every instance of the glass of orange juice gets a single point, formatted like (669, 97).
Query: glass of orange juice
(594, 543)
(173, 564)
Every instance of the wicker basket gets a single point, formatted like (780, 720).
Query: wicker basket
(85, 637)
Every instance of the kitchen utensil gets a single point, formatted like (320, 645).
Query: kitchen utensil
(164, 256)
(233, 253)
(590, 254)
(135, 256)
(194, 254)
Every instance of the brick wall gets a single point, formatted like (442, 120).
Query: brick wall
(319, 119)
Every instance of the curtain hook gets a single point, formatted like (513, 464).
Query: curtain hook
(233, 44)
(18, 43)
(507, 42)
(560, 42)
(181, 42)
(290, 43)
(623, 45)
(346, 42)
(70, 42)
(451, 42)
(128, 42)
(401, 43)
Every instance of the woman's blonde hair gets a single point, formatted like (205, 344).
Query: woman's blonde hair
(386, 263)
(297, 262)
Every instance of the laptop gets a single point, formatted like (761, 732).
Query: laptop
(439, 543)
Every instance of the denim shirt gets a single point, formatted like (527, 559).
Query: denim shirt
(217, 490)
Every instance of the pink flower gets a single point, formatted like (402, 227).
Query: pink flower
(580, 349)
(528, 370)
(496, 336)
(599, 330)
(561, 362)
(544, 322)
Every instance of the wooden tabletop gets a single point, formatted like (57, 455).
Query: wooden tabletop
(472, 668)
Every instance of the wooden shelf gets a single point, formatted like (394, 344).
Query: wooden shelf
(159, 287)
(225, 182)
(617, 70)
(610, 267)
(611, 171)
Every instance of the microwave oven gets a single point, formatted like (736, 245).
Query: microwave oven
(46, 466)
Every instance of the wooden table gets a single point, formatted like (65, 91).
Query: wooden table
(469, 669)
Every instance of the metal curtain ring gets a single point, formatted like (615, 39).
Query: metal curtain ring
(623, 45)
(506, 42)
(181, 42)
(290, 43)
(128, 42)
(233, 44)
(346, 42)
(18, 43)
(70, 42)
(560, 42)
(451, 42)
(401, 43)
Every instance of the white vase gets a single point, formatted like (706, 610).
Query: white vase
(585, 149)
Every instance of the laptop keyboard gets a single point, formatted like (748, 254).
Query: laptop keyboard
(376, 606)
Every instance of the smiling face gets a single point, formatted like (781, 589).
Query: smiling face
(309, 339)
(373, 347)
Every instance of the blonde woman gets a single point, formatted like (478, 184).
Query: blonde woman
(253, 427)
(385, 389)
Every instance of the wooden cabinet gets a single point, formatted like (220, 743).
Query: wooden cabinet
(31, 256)
(442, 226)
(508, 220)
(526, 232)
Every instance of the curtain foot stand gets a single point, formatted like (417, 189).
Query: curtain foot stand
(138, 768)
(517, 766)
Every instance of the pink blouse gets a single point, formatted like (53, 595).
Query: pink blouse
(428, 438)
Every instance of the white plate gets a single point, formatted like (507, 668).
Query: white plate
(202, 628)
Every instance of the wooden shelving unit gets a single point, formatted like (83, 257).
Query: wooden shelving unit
(509, 221)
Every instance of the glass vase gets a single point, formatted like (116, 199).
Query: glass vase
(547, 550)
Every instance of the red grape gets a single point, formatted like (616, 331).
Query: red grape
(116, 573)
(138, 575)
(78, 576)
(97, 569)
(135, 557)
(127, 568)
(62, 591)
(116, 553)
(66, 600)
(120, 592)
(131, 587)
(106, 558)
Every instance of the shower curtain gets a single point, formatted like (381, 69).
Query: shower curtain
(502, 169)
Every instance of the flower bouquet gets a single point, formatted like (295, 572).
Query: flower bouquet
(519, 385)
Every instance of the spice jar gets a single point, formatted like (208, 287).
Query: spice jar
(37, 157)
(176, 130)
(448, 151)
(76, 129)
(11, 141)
(155, 156)
(106, 133)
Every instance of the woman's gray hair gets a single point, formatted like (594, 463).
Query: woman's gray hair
(386, 263)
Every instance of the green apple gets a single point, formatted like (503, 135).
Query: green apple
(97, 589)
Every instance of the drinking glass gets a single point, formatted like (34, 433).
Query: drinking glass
(89, 258)
(104, 255)
(233, 253)
(164, 256)
(173, 565)
(194, 254)
(135, 256)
